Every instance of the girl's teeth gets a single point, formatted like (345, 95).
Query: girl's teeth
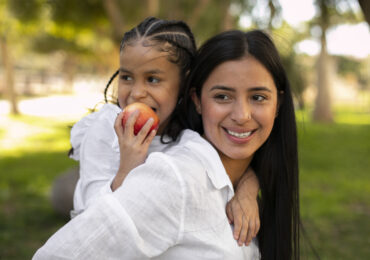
(239, 135)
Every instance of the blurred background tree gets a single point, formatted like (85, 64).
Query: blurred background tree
(83, 36)
(329, 13)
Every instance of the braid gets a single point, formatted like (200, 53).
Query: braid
(176, 33)
(106, 87)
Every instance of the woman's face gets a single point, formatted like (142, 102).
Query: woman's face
(238, 105)
(147, 76)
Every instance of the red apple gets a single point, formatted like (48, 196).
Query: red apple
(145, 113)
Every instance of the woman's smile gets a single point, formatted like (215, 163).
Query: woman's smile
(239, 136)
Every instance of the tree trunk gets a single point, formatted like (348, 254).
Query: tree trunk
(322, 111)
(115, 17)
(365, 7)
(9, 76)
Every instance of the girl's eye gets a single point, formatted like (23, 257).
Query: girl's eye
(153, 80)
(126, 77)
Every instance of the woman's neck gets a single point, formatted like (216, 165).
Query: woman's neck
(235, 168)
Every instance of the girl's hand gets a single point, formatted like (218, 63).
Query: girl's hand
(133, 148)
(242, 209)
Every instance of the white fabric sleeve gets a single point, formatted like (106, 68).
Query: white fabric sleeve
(97, 164)
(140, 220)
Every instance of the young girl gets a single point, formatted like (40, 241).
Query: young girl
(154, 61)
(172, 206)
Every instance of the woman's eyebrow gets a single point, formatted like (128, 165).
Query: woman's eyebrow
(252, 89)
(260, 88)
(220, 87)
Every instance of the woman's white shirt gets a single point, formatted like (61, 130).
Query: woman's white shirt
(95, 145)
(171, 207)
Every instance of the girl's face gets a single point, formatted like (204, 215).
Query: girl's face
(147, 76)
(238, 105)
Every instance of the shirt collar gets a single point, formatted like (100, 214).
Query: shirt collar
(210, 159)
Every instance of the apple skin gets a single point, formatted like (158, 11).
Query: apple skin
(145, 113)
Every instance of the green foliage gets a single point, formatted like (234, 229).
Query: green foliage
(334, 12)
(350, 66)
(77, 13)
(26, 11)
(347, 65)
(49, 43)
(285, 39)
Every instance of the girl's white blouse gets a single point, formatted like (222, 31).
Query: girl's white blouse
(95, 146)
(171, 207)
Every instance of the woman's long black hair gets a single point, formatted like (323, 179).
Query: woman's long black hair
(276, 161)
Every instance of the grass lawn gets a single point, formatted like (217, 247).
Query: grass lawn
(334, 182)
(335, 185)
(33, 153)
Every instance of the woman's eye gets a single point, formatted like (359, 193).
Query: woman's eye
(259, 98)
(153, 80)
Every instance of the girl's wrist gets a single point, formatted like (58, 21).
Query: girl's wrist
(118, 180)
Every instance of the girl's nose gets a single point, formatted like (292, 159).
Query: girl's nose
(138, 91)
(241, 112)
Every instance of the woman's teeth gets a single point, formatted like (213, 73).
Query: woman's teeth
(239, 135)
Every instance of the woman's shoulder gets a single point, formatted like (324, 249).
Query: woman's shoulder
(189, 157)
(182, 150)
(193, 147)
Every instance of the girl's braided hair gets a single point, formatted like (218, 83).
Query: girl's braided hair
(174, 37)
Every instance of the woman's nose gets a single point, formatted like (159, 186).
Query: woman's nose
(241, 112)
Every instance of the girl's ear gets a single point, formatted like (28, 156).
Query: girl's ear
(196, 101)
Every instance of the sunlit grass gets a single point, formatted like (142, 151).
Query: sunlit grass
(342, 115)
(33, 153)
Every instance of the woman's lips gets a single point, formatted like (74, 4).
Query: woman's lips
(239, 136)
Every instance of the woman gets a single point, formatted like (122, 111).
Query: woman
(172, 206)
(275, 161)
